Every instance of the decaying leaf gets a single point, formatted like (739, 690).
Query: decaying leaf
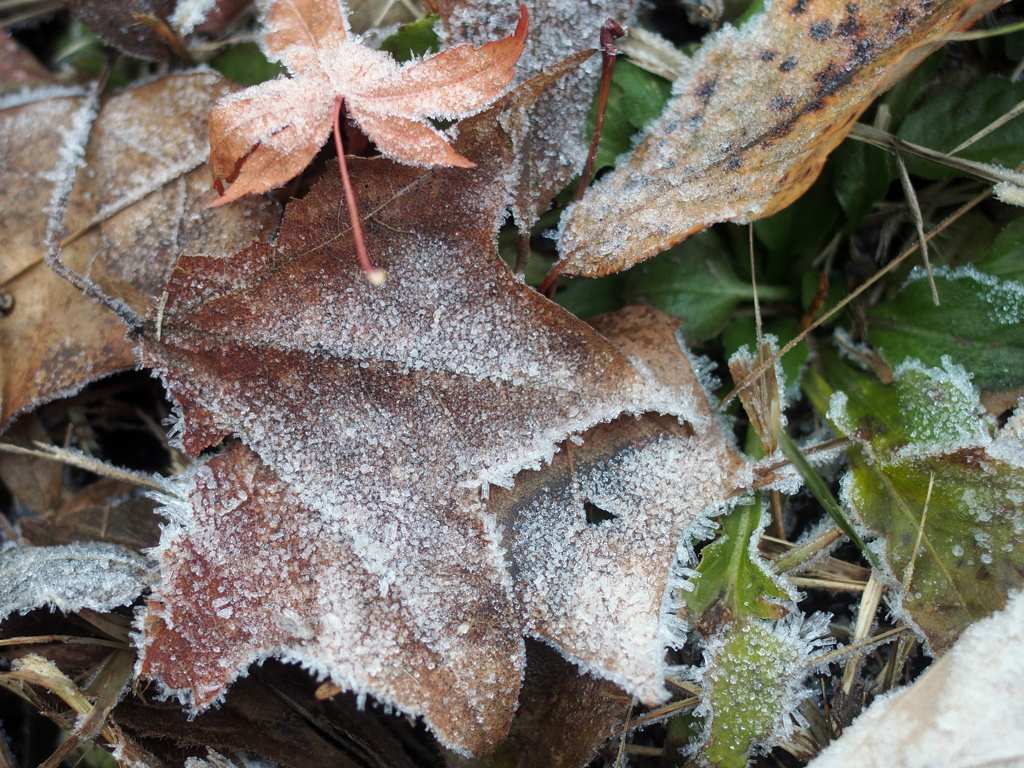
(108, 510)
(555, 145)
(376, 421)
(124, 216)
(265, 135)
(940, 486)
(562, 718)
(120, 25)
(19, 69)
(755, 117)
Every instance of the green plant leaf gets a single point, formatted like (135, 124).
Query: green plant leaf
(636, 97)
(819, 489)
(588, 297)
(899, 99)
(695, 282)
(954, 115)
(751, 680)
(797, 233)
(417, 38)
(927, 428)
(978, 325)
(246, 64)
(734, 582)
(862, 175)
(1005, 259)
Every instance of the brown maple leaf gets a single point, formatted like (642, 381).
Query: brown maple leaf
(354, 530)
(755, 119)
(265, 135)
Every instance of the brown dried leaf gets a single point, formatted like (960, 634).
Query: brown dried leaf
(564, 715)
(754, 121)
(108, 510)
(555, 146)
(265, 135)
(137, 202)
(19, 69)
(118, 25)
(376, 419)
(33, 481)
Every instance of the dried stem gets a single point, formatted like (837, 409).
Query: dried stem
(374, 275)
(611, 30)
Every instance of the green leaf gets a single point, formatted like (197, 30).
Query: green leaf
(695, 282)
(862, 175)
(636, 97)
(799, 232)
(954, 115)
(752, 678)
(246, 64)
(1005, 258)
(586, 298)
(899, 99)
(929, 424)
(417, 38)
(970, 554)
(924, 408)
(644, 95)
(978, 325)
(819, 489)
(734, 583)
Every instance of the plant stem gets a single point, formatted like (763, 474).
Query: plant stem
(610, 32)
(374, 275)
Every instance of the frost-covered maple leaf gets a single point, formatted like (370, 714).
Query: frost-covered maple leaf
(265, 135)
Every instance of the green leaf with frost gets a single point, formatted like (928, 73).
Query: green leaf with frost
(927, 428)
(695, 282)
(752, 681)
(734, 581)
(979, 325)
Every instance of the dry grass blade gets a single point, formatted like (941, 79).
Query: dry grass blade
(80, 460)
(35, 670)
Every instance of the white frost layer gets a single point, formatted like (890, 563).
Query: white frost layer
(70, 577)
(966, 710)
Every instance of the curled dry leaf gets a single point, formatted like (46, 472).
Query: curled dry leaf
(757, 113)
(352, 528)
(265, 135)
(120, 217)
(555, 145)
(120, 25)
